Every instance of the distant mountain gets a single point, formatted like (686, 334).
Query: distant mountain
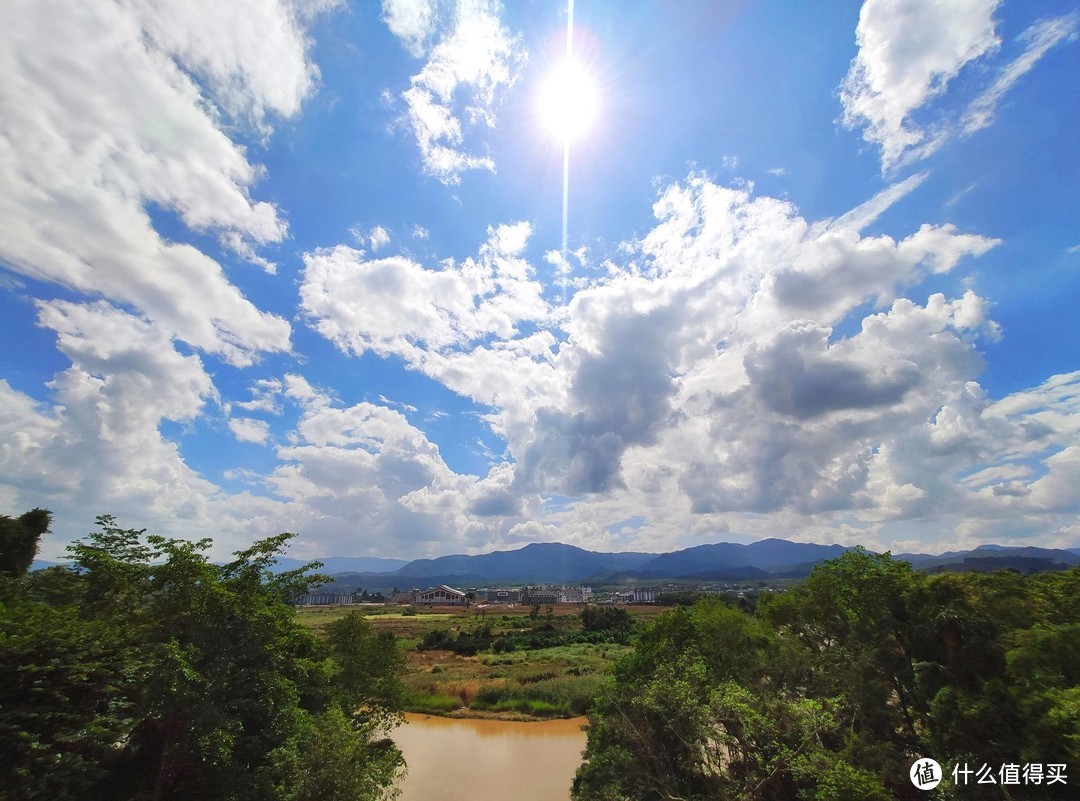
(552, 562)
(724, 556)
(538, 561)
(990, 554)
(989, 564)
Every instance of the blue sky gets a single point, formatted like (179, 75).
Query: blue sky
(282, 265)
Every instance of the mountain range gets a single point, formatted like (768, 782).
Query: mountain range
(552, 562)
(769, 558)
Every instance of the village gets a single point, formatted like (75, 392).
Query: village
(530, 595)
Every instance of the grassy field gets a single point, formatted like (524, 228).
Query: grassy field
(518, 684)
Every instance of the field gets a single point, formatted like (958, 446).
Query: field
(521, 683)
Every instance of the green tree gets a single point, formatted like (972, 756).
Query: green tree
(830, 690)
(370, 667)
(19, 540)
(167, 676)
(709, 706)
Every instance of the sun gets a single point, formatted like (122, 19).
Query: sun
(568, 101)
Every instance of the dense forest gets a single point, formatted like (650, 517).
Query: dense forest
(830, 691)
(146, 672)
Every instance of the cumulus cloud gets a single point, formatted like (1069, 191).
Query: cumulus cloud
(378, 238)
(702, 385)
(364, 471)
(704, 377)
(350, 478)
(411, 21)
(742, 369)
(264, 397)
(120, 107)
(475, 59)
(248, 429)
(99, 449)
(396, 306)
(910, 52)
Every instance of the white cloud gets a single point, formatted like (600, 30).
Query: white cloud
(702, 385)
(350, 478)
(420, 232)
(106, 114)
(364, 472)
(1038, 39)
(264, 397)
(405, 407)
(395, 306)
(378, 238)
(411, 21)
(99, 448)
(247, 429)
(474, 61)
(909, 53)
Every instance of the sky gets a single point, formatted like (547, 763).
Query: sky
(302, 265)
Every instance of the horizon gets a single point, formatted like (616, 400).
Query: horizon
(986, 545)
(364, 273)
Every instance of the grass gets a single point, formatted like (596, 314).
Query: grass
(539, 683)
(433, 703)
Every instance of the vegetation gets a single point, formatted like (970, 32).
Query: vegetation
(480, 662)
(550, 668)
(145, 672)
(831, 690)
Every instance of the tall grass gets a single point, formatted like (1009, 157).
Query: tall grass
(433, 702)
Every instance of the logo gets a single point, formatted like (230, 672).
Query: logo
(925, 773)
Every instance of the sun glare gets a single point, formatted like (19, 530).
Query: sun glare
(568, 101)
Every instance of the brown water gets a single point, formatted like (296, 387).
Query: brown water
(489, 760)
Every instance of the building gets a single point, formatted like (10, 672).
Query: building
(441, 595)
(645, 595)
(575, 595)
(541, 595)
(325, 599)
(502, 596)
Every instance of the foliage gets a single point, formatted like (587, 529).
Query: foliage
(608, 625)
(831, 690)
(19, 538)
(612, 621)
(146, 672)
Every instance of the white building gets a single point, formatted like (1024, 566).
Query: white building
(441, 595)
(645, 595)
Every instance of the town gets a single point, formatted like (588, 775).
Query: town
(538, 594)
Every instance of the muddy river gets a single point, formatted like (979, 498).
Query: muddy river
(478, 760)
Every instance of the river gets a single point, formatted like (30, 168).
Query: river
(452, 759)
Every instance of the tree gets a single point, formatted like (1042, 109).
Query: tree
(19, 540)
(703, 709)
(370, 667)
(614, 623)
(832, 689)
(171, 677)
